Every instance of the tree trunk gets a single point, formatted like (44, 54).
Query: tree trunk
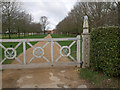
(9, 33)
(18, 33)
(9, 26)
(24, 33)
(44, 31)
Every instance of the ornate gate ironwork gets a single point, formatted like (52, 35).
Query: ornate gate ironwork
(38, 52)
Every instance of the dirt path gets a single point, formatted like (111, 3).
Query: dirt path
(64, 77)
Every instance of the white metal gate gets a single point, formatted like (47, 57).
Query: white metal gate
(38, 52)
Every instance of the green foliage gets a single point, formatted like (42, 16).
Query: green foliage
(105, 50)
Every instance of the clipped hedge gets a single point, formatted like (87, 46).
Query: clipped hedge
(105, 50)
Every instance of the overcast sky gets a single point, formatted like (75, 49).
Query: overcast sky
(55, 10)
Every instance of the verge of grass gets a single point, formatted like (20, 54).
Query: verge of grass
(26, 37)
(20, 48)
(98, 79)
(63, 35)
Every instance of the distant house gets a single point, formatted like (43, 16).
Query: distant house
(50, 31)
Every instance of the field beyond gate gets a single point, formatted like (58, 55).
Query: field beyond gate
(46, 53)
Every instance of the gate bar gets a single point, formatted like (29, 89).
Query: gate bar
(78, 50)
(34, 40)
(24, 52)
(52, 52)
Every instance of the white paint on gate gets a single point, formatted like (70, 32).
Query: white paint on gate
(10, 55)
(52, 40)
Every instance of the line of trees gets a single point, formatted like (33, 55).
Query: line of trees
(17, 20)
(99, 14)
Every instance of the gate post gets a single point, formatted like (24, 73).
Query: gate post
(85, 43)
(78, 50)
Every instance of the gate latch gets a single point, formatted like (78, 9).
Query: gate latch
(81, 63)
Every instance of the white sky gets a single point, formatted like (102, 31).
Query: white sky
(55, 10)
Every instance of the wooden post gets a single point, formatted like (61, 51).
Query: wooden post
(24, 52)
(85, 43)
(78, 50)
(52, 52)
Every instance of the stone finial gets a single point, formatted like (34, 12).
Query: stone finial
(85, 25)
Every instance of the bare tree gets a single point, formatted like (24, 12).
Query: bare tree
(9, 10)
(16, 20)
(99, 13)
(35, 27)
(22, 22)
(44, 22)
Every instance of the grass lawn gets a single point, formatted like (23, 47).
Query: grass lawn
(98, 79)
(63, 35)
(14, 36)
(20, 48)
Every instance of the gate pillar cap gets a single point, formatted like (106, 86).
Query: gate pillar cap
(85, 25)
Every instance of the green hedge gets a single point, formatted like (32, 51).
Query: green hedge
(105, 50)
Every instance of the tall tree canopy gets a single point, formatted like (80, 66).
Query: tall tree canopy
(16, 20)
(99, 13)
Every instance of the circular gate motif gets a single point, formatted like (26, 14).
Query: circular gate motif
(10, 53)
(38, 52)
(65, 51)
